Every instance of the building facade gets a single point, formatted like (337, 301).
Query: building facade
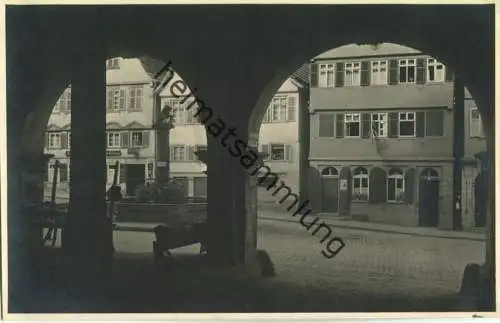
(132, 137)
(381, 146)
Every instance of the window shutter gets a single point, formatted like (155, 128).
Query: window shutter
(339, 75)
(123, 173)
(393, 125)
(265, 149)
(145, 139)
(409, 186)
(46, 139)
(125, 139)
(292, 108)
(420, 124)
(434, 123)
(172, 153)
(313, 75)
(448, 74)
(63, 173)
(326, 125)
(189, 152)
(365, 125)
(289, 153)
(340, 125)
(421, 65)
(138, 98)
(61, 103)
(64, 140)
(110, 99)
(365, 73)
(393, 72)
(123, 94)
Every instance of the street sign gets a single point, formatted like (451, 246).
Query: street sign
(162, 164)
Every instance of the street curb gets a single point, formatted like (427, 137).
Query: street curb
(133, 229)
(378, 230)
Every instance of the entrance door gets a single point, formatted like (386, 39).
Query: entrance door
(135, 177)
(329, 190)
(200, 186)
(428, 206)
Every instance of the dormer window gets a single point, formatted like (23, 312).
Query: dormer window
(112, 64)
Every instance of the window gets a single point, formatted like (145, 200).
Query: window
(475, 124)
(116, 98)
(352, 74)
(282, 108)
(352, 124)
(379, 72)
(325, 75)
(178, 110)
(277, 152)
(435, 71)
(178, 153)
(137, 140)
(407, 124)
(54, 140)
(360, 184)
(135, 98)
(407, 70)
(111, 174)
(379, 125)
(149, 171)
(63, 173)
(395, 186)
(112, 63)
(114, 140)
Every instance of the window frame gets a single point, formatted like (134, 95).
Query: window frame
(432, 62)
(397, 175)
(407, 113)
(174, 155)
(271, 156)
(132, 144)
(51, 145)
(379, 122)
(376, 80)
(360, 173)
(352, 115)
(405, 63)
(478, 121)
(114, 135)
(326, 73)
(355, 69)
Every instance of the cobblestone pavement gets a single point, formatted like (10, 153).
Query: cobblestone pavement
(373, 266)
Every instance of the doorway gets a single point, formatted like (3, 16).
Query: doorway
(135, 176)
(480, 201)
(330, 190)
(428, 206)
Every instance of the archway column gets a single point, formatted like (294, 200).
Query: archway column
(232, 207)
(87, 240)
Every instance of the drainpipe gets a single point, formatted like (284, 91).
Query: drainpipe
(458, 151)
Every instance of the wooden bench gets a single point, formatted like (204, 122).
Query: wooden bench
(168, 238)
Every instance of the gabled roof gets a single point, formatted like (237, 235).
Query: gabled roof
(301, 75)
(113, 125)
(152, 66)
(135, 125)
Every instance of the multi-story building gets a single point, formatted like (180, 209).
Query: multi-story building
(132, 137)
(278, 138)
(130, 134)
(381, 144)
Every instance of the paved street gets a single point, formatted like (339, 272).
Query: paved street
(372, 266)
